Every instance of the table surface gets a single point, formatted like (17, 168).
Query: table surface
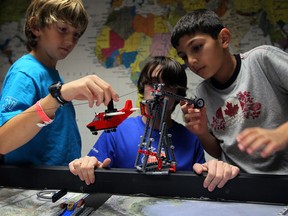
(26, 202)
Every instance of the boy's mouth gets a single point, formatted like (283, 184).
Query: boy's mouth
(64, 50)
(198, 70)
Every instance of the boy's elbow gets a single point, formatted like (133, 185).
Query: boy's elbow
(3, 150)
(217, 151)
(4, 142)
(216, 155)
(3, 147)
(214, 151)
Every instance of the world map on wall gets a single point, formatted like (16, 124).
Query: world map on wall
(133, 30)
(140, 29)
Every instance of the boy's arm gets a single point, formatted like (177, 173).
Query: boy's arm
(23, 127)
(211, 145)
(265, 141)
(196, 122)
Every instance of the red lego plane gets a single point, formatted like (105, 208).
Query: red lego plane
(111, 118)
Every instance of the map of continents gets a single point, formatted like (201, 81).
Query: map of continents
(12, 41)
(135, 30)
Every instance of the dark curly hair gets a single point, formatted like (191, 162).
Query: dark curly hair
(197, 21)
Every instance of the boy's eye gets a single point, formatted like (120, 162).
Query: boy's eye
(196, 48)
(76, 35)
(62, 29)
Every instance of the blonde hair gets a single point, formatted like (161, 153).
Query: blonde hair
(45, 12)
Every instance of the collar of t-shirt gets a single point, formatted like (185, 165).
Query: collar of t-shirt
(233, 77)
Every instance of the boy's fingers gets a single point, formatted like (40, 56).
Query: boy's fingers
(105, 163)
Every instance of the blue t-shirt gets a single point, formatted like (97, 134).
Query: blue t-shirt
(59, 143)
(122, 146)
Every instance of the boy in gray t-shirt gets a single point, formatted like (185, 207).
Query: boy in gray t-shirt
(245, 118)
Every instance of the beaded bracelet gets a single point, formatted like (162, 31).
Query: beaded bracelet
(46, 120)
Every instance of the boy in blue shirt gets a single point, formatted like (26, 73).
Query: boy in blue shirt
(34, 94)
(119, 149)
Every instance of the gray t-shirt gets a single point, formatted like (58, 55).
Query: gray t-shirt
(257, 97)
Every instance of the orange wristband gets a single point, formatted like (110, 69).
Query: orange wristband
(46, 120)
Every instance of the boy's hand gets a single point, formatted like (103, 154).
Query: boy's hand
(84, 168)
(218, 173)
(91, 88)
(264, 141)
(195, 119)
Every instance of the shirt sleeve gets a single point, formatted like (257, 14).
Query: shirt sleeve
(274, 63)
(19, 92)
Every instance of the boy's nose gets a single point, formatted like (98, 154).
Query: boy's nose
(191, 61)
(70, 40)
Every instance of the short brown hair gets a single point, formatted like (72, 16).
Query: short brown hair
(47, 12)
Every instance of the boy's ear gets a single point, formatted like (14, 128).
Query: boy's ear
(225, 37)
(33, 26)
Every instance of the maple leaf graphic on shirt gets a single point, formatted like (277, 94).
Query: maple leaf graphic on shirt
(231, 109)
(235, 109)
